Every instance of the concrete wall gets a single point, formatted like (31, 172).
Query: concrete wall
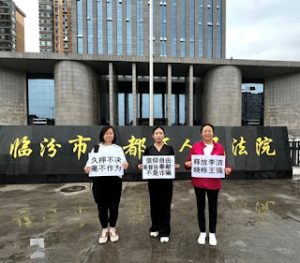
(13, 100)
(75, 94)
(222, 96)
(282, 105)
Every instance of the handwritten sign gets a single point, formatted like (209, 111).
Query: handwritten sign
(208, 166)
(105, 165)
(158, 167)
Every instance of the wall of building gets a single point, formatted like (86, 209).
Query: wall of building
(282, 105)
(13, 97)
(222, 97)
(75, 94)
(20, 37)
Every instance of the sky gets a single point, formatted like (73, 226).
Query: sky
(255, 29)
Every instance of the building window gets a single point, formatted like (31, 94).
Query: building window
(129, 27)
(41, 100)
(182, 27)
(109, 28)
(100, 26)
(90, 26)
(200, 26)
(119, 29)
(192, 28)
(140, 30)
(79, 27)
(173, 28)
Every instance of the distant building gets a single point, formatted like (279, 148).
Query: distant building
(55, 26)
(193, 29)
(11, 27)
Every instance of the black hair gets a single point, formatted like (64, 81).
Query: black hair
(207, 124)
(104, 130)
(158, 127)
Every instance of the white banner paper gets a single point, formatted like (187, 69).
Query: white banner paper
(105, 165)
(158, 167)
(208, 166)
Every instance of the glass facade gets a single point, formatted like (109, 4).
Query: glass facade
(182, 27)
(189, 24)
(140, 28)
(100, 26)
(210, 29)
(173, 28)
(192, 28)
(219, 29)
(163, 29)
(109, 21)
(41, 98)
(119, 28)
(79, 27)
(129, 27)
(90, 26)
(200, 24)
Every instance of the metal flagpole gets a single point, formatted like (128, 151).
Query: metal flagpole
(151, 62)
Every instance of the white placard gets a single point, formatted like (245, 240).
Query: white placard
(109, 165)
(208, 166)
(158, 167)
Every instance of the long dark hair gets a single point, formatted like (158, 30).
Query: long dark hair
(104, 130)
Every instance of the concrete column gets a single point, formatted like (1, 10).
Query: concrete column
(281, 102)
(222, 98)
(169, 96)
(13, 97)
(134, 94)
(146, 26)
(75, 94)
(113, 98)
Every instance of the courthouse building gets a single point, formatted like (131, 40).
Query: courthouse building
(106, 78)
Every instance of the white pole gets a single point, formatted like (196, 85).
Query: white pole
(151, 63)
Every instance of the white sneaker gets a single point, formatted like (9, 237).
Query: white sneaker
(164, 239)
(212, 239)
(104, 236)
(114, 237)
(154, 234)
(202, 237)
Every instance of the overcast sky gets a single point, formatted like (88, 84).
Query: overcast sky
(256, 29)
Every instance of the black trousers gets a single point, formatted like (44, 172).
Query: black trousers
(212, 197)
(107, 193)
(160, 192)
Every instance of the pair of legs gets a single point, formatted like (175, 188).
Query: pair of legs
(160, 193)
(107, 193)
(212, 196)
